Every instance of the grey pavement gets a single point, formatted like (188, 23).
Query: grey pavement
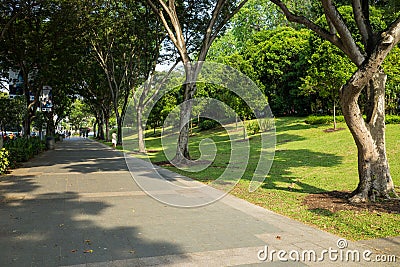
(78, 205)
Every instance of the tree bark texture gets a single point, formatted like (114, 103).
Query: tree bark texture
(369, 135)
(139, 114)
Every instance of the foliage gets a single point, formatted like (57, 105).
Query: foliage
(258, 125)
(315, 120)
(279, 57)
(329, 70)
(79, 114)
(392, 69)
(23, 149)
(208, 124)
(392, 119)
(266, 124)
(4, 160)
(125, 41)
(39, 40)
(13, 111)
(252, 127)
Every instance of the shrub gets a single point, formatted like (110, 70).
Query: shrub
(252, 127)
(266, 124)
(4, 160)
(208, 124)
(392, 119)
(314, 120)
(22, 149)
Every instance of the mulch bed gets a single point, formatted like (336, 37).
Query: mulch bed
(331, 130)
(188, 164)
(337, 201)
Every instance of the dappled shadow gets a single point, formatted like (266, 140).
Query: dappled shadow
(282, 177)
(283, 138)
(104, 164)
(16, 184)
(79, 155)
(293, 124)
(64, 229)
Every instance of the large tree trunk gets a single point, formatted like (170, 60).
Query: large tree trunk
(182, 149)
(119, 130)
(373, 167)
(50, 129)
(100, 130)
(94, 129)
(107, 124)
(139, 114)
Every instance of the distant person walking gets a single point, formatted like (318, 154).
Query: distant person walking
(114, 140)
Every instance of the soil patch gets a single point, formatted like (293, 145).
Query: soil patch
(336, 201)
(331, 130)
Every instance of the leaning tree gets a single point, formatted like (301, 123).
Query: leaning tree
(192, 27)
(369, 79)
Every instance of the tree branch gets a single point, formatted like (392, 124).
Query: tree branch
(175, 35)
(361, 16)
(349, 44)
(389, 39)
(345, 42)
(212, 32)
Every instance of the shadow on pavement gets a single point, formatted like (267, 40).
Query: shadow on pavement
(64, 228)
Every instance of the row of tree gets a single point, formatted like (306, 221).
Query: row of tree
(103, 50)
(98, 50)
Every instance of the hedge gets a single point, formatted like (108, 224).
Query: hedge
(208, 124)
(22, 149)
(314, 120)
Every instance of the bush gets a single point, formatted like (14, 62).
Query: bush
(252, 127)
(4, 160)
(392, 119)
(314, 120)
(266, 124)
(22, 149)
(208, 124)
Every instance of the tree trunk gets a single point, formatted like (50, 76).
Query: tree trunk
(94, 129)
(182, 150)
(100, 130)
(236, 121)
(107, 123)
(334, 115)
(27, 124)
(142, 148)
(373, 167)
(119, 129)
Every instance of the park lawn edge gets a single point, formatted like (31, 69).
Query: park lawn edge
(308, 160)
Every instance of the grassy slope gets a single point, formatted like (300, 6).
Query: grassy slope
(307, 160)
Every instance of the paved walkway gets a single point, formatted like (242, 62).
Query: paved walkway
(78, 205)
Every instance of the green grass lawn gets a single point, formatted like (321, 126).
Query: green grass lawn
(307, 160)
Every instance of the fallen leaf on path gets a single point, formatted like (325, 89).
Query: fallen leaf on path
(278, 237)
(88, 251)
(74, 250)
